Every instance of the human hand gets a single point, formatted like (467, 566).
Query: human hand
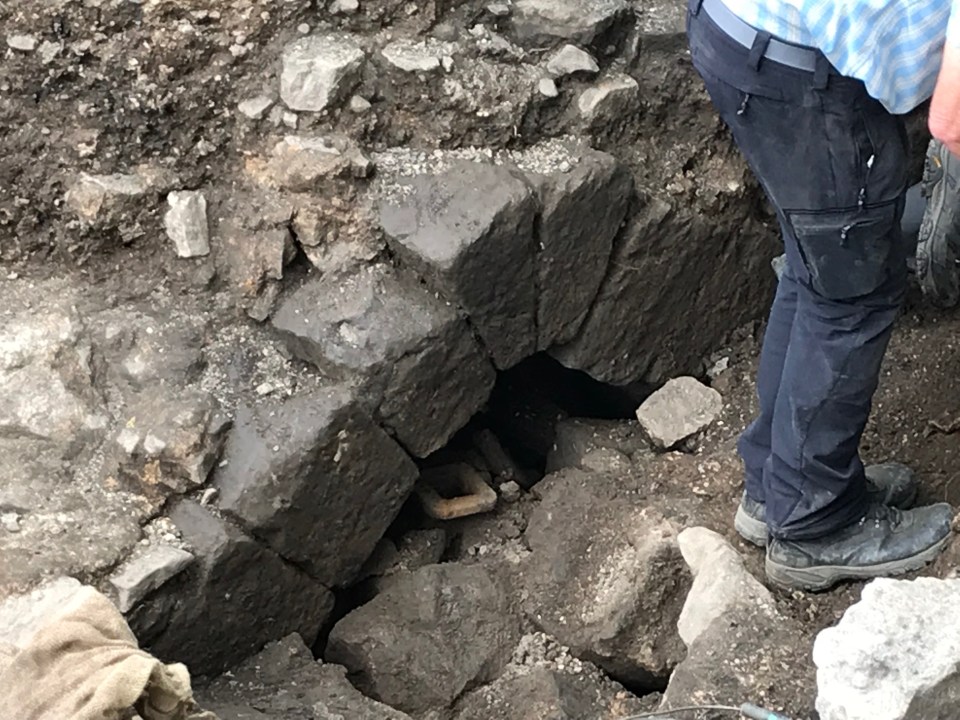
(944, 118)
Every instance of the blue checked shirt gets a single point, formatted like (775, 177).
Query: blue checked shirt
(893, 46)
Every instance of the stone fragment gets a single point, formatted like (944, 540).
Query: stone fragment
(344, 7)
(315, 479)
(422, 369)
(610, 99)
(444, 621)
(587, 22)
(581, 210)
(359, 104)
(410, 56)
(186, 223)
(523, 693)
(144, 573)
(304, 164)
(680, 409)
(510, 491)
(548, 88)
(23, 43)
(894, 655)
(570, 60)
(319, 70)
(104, 202)
(469, 231)
(10, 521)
(255, 108)
(21, 616)
(738, 656)
(176, 439)
(233, 599)
(282, 682)
(606, 579)
(576, 438)
(720, 582)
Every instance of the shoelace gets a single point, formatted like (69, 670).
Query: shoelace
(878, 513)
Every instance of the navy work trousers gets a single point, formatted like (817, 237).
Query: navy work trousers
(833, 163)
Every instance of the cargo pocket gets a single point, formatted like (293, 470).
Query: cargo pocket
(848, 253)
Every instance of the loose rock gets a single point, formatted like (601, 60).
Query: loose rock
(680, 409)
(469, 231)
(606, 579)
(720, 582)
(443, 621)
(283, 682)
(295, 471)
(304, 164)
(548, 88)
(423, 56)
(570, 60)
(255, 108)
(141, 575)
(186, 223)
(421, 369)
(319, 70)
(344, 7)
(542, 22)
(894, 655)
(23, 43)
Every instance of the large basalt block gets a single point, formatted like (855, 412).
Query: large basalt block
(470, 232)
(420, 367)
(316, 479)
(236, 597)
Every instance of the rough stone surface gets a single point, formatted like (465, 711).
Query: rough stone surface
(570, 60)
(235, 598)
(141, 575)
(315, 479)
(304, 164)
(186, 223)
(582, 206)
(469, 231)
(424, 56)
(448, 621)
(539, 22)
(720, 582)
(576, 438)
(423, 371)
(734, 659)
(525, 692)
(319, 71)
(680, 409)
(282, 682)
(614, 96)
(22, 615)
(632, 334)
(894, 655)
(256, 107)
(606, 579)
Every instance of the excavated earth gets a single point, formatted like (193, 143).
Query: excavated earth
(268, 267)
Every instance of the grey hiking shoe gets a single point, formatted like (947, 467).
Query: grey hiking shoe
(889, 484)
(886, 542)
(938, 245)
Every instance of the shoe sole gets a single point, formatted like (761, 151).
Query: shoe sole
(945, 255)
(824, 577)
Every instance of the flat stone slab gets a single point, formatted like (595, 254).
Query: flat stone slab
(680, 409)
(143, 574)
(469, 232)
(315, 479)
(420, 367)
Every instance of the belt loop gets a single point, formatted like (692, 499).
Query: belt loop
(759, 49)
(821, 73)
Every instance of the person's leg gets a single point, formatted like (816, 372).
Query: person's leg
(832, 163)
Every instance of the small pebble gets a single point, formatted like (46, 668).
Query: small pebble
(303, 29)
(548, 88)
(498, 9)
(10, 522)
(359, 104)
(209, 495)
(290, 120)
(510, 491)
(23, 43)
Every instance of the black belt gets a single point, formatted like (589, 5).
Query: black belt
(795, 56)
